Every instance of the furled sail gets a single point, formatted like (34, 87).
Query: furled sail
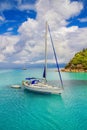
(44, 73)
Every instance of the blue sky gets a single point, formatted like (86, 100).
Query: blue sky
(13, 16)
(22, 24)
(83, 14)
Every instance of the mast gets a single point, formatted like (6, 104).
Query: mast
(45, 67)
(46, 49)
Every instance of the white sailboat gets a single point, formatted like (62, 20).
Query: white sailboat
(41, 85)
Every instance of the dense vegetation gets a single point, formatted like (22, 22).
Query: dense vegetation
(78, 62)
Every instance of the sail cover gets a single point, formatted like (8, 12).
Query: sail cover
(44, 73)
(30, 78)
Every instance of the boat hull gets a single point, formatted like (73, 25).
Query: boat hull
(45, 89)
(16, 86)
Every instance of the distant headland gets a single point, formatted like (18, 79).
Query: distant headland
(78, 63)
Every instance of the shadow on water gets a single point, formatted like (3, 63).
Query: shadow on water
(46, 97)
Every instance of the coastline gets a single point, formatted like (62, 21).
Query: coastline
(73, 70)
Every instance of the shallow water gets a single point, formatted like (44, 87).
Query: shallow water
(24, 110)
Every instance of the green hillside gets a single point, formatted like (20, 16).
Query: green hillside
(78, 62)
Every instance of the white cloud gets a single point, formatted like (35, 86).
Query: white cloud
(67, 42)
(25, 7)
(18, 4)
(10, 29)
(18, 62)
(28, 47)
(71, 42)
(1, 18)
(57, 11)
(2, 58)
(7, 47)
(83, 20)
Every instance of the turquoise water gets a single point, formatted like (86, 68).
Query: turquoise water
(24, 110)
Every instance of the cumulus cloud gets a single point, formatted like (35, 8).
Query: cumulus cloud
(56, 13)
(28, 46)
(7, 47)
(72, 40)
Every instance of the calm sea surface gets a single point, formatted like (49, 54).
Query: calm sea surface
(24, 110)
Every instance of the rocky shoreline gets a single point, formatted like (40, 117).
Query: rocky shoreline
(73, 70)
(78, 63)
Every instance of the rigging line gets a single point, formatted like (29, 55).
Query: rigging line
(55, 56)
